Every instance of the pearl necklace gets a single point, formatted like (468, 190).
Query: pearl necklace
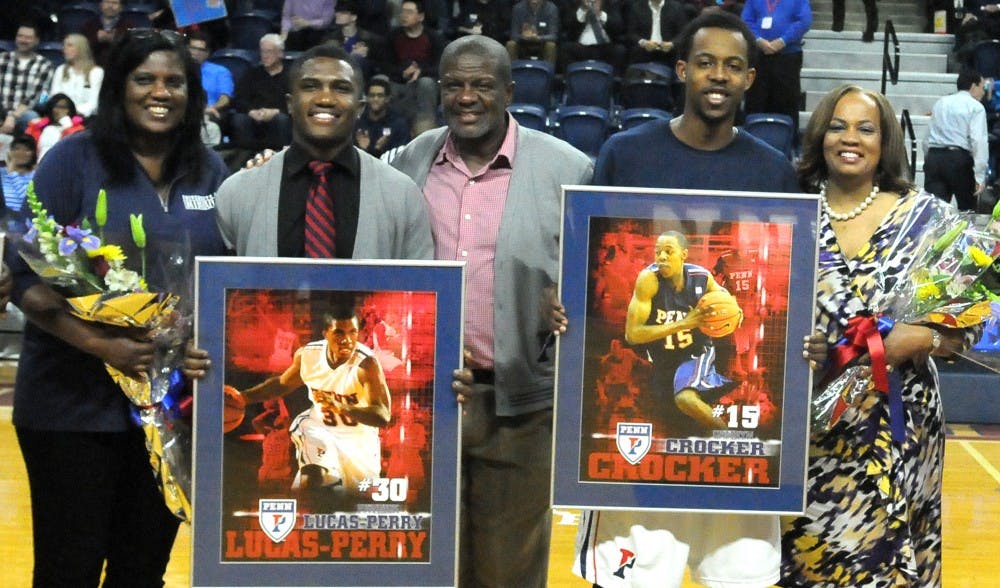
(850, 214)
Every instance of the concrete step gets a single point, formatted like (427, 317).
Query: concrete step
(909, 43)
(857, 23)
(926, 83)
(919, 104)
(884, 6)
(852, 60)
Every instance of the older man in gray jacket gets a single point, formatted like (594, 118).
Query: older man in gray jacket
(493, 189)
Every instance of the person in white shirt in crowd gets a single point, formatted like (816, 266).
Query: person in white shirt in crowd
(79, 77)
(958, 143)
(60, 118)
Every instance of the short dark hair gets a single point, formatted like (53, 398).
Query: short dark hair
(28, 141)
(347, 6)
(481, 46)
(110, 126)
(382, 82)
(30, 24)
(200, 35)
(682, 239)
(332, 51)
(716, 19)
(418, 3)
(46, 109)
(967, 78)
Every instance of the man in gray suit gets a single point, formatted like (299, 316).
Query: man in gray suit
(377, 212)
(493, 191)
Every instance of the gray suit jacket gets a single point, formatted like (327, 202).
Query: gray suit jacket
(526, 260)
(392, 220)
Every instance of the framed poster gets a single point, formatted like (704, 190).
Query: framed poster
(681, 383)
(326, 444)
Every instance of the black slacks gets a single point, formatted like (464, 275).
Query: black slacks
(950, 172)
(94, 499)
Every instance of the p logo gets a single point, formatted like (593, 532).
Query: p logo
(276, 518)
(633, 440)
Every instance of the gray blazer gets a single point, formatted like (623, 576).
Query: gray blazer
(392, 219)
(526, 260)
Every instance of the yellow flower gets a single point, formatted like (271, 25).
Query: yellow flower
(979, 257)
(928, 291)
(108, 252)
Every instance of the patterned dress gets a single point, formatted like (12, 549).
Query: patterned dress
(873, 509)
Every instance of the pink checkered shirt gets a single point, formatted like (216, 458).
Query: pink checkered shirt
(465, 212)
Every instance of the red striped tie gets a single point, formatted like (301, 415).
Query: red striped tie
(321, 225)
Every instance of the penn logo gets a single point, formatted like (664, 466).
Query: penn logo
(633, 440)
(276, 518)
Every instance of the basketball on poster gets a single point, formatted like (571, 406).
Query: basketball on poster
(670, 398)
(331, 460)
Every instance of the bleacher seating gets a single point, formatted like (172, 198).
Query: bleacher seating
(531, 116)
(72, 17)
(584, 127)
(633, 117)
(533, 80)
(589, 83)
(777, 130)
(7, 45)
(137, 15)
(237, 61)
(53, 51)
(290, 57)
(245, 30)
(647, 93)
(986, 58)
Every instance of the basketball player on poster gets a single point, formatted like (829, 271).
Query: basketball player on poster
(737, 271)
(676, 309)
(337, 438)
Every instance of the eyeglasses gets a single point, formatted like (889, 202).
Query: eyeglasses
(145, 34)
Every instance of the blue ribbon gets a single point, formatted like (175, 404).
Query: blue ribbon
(172, 402)
(175, 394)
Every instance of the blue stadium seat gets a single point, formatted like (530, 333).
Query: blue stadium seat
(53, 51)
(533, 81)
(633, 117)
(589, 83)
(290, 57)
(986, 58)
(245, 30)
(531, 116)
(647, 93)
(237, 61)
(137, 15)
(584, 127)
(774, 129)
(7, 45)
(72, 17)
(650, 71)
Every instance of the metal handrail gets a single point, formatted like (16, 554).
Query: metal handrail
(890, 66)
(907, 124)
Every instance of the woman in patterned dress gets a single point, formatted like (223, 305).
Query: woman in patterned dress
(873, 509)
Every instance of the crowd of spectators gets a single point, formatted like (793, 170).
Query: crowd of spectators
(398, 42)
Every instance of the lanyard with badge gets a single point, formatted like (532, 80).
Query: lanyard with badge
(767, 21)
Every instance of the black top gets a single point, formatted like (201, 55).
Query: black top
(259, 89)
(345, 186)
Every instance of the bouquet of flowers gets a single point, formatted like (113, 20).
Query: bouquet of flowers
(99, 288)
(953, 280)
